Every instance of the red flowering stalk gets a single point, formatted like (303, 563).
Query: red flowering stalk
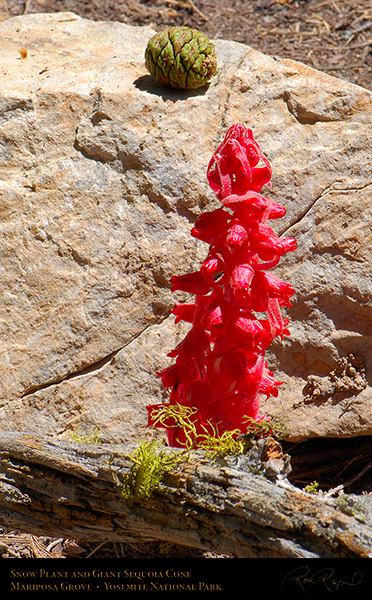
(220, 369)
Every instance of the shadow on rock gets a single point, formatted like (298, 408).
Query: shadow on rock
(146, 83)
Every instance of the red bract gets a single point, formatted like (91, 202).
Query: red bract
(220, 369)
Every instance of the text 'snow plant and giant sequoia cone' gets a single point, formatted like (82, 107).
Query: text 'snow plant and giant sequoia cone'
(220, 370)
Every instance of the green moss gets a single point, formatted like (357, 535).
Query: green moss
(210, 441)
(272, 426)
(213, 444)
(178, 416)
(219, 446)
(349, 507)
(150, 461)
(90, 438)
(312, 488)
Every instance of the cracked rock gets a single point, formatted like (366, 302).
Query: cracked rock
(103, 173)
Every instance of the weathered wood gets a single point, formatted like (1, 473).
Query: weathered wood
(57, 488)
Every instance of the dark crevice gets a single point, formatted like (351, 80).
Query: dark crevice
(304, 213)
(332, 462)
(328, 190)
(93, 367)
(84, 371)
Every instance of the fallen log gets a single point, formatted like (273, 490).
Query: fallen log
(243, 507)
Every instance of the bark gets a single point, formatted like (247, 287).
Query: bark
(243, 508)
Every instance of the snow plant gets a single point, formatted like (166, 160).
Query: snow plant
(220, 373)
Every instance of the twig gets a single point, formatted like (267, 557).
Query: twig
(96, 549)
(356, 32)
(361, 45)
(188, 4)
(39, 550)
(334, 4)
(285, 3)
(26, 6)
(333, 491)
(358, 476)
(15, 554)
(199, 12)
(54, 543)
(337, 68)
(114, 545)
(347, 465)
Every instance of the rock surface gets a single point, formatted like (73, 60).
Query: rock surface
(103, 172)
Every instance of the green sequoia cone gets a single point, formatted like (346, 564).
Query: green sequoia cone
(181, 57)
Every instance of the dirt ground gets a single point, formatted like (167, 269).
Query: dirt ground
(334, 36)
